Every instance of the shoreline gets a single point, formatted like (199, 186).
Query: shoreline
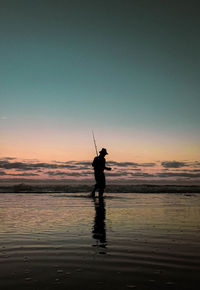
(112, 188)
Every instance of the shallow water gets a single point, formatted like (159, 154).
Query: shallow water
(69, 241)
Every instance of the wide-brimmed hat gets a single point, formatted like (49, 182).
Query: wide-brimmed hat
(103, 150)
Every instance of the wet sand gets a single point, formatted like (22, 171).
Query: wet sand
(126, 241)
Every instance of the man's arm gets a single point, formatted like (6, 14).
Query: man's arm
(107, 168)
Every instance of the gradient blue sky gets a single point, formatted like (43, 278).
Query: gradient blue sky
(129, 70)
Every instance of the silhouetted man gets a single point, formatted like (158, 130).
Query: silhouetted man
(99, 164)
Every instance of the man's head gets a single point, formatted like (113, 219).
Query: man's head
(103, 152)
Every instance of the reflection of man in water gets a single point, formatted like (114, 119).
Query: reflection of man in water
(99, 230)
(99, 164)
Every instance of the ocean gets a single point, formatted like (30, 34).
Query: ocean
(123, 241)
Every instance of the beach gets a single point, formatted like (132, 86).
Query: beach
(124, 241)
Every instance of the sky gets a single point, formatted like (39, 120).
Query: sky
(128, 70)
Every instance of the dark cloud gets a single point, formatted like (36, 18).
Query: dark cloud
(113, 174)
(64, 173)
(196, 164)
(188, 170)
(130, 174)
(85, 163)
(178, 174)
(3, 173)
(6, 164)
(33, 166)
(173, 164)
(142, 174)
(130, 164)
(76, 165)
(19, 165)
(18, 174)
(84, 168)
(148, 164)
(81, 167)
(24, 174)
(69, 166)
(8, 158)
(72, 165)
(122, 164)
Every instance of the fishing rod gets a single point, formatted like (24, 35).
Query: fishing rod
(95, 145)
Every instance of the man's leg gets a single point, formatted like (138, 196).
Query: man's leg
(93, 192)
(102, 185)
(101, 191)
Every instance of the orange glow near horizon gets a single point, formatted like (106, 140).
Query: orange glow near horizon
(85, 151)
(48, 142)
